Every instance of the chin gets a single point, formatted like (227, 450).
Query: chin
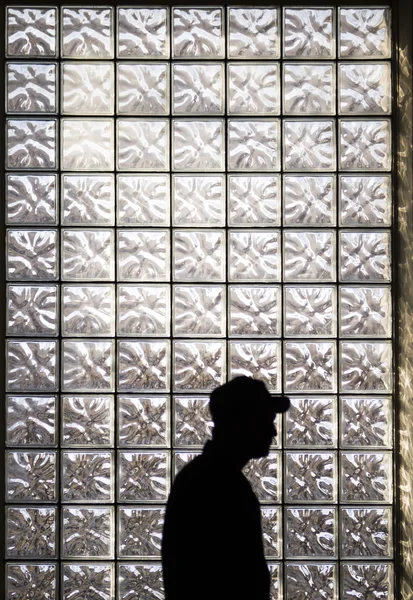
(260, 452)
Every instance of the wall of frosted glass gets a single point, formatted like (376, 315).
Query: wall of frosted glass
(193, 194)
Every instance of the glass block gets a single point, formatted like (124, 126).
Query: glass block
(88, 200)
(143, 421)
(140, 579)
(142, 89)
(192, 421)
(365, 145)
(366, 422)
(31, 199)
(261, 360)
(311, 580)
(276, 581)
(31, 476)
(366, 532)
(31, 532)
(87, 88)
(88, 311)
(31, 88)
(198, 366)
(31, 144)
(364, 88)
(309, 311)
(143, 255)
(198, 200)
(142, 145)
(309, 33)
(87, 144)
(309, 255)
(254, 311)
(87, 476)
(271, 532)
(181, 459)
(88, 366)
(140, 531)
(198, 145)
(32, 254)
(364, 33)
(254, 145)
(199, 311)
(143, 365)
(253, 33)
(143, 476)
(32, 310)
(366, 477)
(253, 88)
(31, 31)
(143, 310)
(365, 201)
(365, 256)
(198, 33)
(309, 89)
(366, 367)
(88, 254)
(23, 581)
(30, 420)
(311, 422)
(254, 255)
(310, 366)
(311, 532)
(365, 312)
(365, 579)
(87, 531)
(310, 477)
(143, 200)
(31, 365)
(264, 476)
(143, 32)
(87, 421)
(92, 580)
(309, 200)
(198, 89)
(254, 200)
(199, 255)
(309, 145)
(87, 32)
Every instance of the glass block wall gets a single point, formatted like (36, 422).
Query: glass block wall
(193, 194)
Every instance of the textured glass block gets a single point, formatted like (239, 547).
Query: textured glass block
(309, 145)
(310, 366)
(309, 311)
(31, 365)
(142, 145)
(261, 360)
(88, 254)
(309, 255)
(366, 532)
(142, 89)
(140, 579)
(87, 144)
(309, 89)
(254, 311)
(271, 532)
(140, 532)
(310, 477)
(312, 581)
(30, 532)
(87, 88)
(192, 421)
(31, 31)
(310, 532)
(199, 255)
(199, 311)
(198, 33)
(93, 580)
(88, 200)
(88, 365)
(309, 33)
(143, 421)
(23, 581)
(31, 144)
(364, 33)
(264, 475)
(366, 422)
(87, 32)
(143, 476)
(87, 532)
(253, 88)
(87, 476)
(254, 200)
(254, 256)
(30, 420)
(32, 254)
(367, 579)
(143, 255)
(365, 256)
(87, 421)
(143, 365)
(365, 312)
(365, 201)
(198, 145)
(88, 311)
(276, 581)
(32, 310)
(366, 366)
(365, 145)
(364, 88)
(198, 200)
(311, 421)
(309, 200)
(253, 33)
(253, 145)
(143, 32)
(181, 459)
(198, 89)
(31, 476)
(31, 199)
(143, 199)
(143, 310)
(366, 477)
(31, 88)
(198, 366)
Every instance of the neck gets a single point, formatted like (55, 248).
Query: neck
(229, 452)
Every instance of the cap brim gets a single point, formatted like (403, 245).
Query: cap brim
(280, 403)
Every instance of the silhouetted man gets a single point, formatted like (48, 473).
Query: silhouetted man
(212, 545)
